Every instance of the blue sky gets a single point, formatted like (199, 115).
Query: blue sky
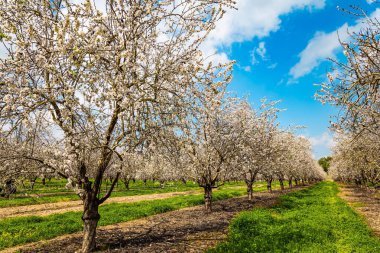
(281, 49)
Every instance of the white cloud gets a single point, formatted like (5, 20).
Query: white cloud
(212, 53)
(325, 139)
(321, 144)
(261, 50)
(253, 19)
(247, 68)
(256, 18)
(273, 65)
(258, 53)
(3, 51)
(99, 4)
(322, 46)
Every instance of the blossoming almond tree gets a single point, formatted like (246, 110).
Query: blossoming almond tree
(209, 140)
(357, 161)
(353, 86)
(24, 147)
(257, 128)
(107, 77)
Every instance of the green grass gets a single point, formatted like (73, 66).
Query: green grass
(28, 200)
(138, 188)
(58, 186)
(311, 220)
(55, 186)
(21, 230)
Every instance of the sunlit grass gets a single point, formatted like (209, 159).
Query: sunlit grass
(311, 220)
(136, 188)
(21, 230)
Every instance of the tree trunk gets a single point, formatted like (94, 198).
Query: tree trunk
(208, 198)
(32, 182)
(290, 183)
(126, 183)
(90, 218)
(250, 190)
(269, 185)
(43, 181)
(282, 185)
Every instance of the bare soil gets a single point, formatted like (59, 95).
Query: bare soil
(366, 202)
(77, 205)
(185, 230)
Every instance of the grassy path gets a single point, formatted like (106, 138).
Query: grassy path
(56, 192)
(311, 220)
(75, 206)
(21, 230)
(365, 202)
(185, 230)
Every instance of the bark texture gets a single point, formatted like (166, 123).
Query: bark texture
(208, 198)
(269, 185)
(290, 184)
(250, 190)
(282, 184)
(90, 218)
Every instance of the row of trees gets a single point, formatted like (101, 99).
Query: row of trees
(357, 160)
(118, 90)
(222, 142)
(355, 88)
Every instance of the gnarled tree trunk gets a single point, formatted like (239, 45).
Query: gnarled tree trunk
(208, 197)
(290, 183)
(282, 184)
(250, 190)
(91, 214)
(250, 178)
(90, 218)
(269, 185)
(32, 182)
(126, 181)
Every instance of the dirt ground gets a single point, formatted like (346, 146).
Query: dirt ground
(69, 206)
(185, 230)
(366, 202)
